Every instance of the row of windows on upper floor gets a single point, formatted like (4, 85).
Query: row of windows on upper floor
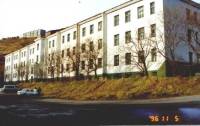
(23, 54)
(72, 67)
(91, 47)
(191, 17)
(129, 57)
(83, 32)
(23, 64)
(140, 14)
(140, 33)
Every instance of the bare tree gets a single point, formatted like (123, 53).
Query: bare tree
(90, 55)
(51, 65)
(38, 70)
(174, 35)
(73, 61)
(27, 71)
(137, 51)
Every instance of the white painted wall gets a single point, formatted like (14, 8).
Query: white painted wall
(65, 44)
(95, 36)
(132, 26)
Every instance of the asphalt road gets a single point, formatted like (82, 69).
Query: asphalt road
(28, 111)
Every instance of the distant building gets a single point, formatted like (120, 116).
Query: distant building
(35, 33)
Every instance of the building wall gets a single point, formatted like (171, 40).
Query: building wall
(94, 37)
(8, 68)
(58, 42)
(68, 41)
(133, 26)
(53, 48)
(182, 50)
(15, 66)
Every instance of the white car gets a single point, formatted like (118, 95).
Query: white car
(9, 88)
(28, 92)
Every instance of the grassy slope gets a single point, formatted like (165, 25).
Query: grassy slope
(12, 44)
(125, 88)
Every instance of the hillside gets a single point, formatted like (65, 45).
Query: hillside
(9, 45)
(119, 89)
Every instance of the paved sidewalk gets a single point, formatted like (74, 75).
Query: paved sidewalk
(184, 99)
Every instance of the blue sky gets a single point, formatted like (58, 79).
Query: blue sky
(19, 16)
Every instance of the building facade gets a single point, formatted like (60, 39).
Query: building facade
(134, 37)
(35, 33)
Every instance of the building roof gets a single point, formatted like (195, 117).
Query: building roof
(192, 3)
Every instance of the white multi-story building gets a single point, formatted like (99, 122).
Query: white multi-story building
(15, 65)
(91, 39)
(68, 47)
(8, 67)
(23, 64)
(53, 45)
(124, 21)
(112, 34)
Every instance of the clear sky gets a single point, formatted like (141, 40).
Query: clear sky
(19, 16)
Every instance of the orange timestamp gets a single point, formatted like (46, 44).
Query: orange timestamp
(164, 118)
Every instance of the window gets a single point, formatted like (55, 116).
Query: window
(153, 55)
(128, 37)
(49, 45)
(83, 32)
(187, 14)
(116, 40)
(195, 17)
(68, 52)
(83, 48)
(24, 54)
(116, 20)
(190, 57)
(74, 67)
(189, 35)
(128, 58)
(82, 65)
(63, 53)
(91, 29)
(49, 57)
(153, 30)
(140, 56)
(38, 46)
(68, 37)
(100, 26)
(62, 68)
(53, 43)
(116, 60)
(91, 46)
(100, 44)
(140, 11)
(74, 50)
(33, 50)
(152, 8)
(52, 56)
(141, 33)
(91, 63)
(74, 35)
(37, 58)
(196, 37)
(31, 70)
(99, 62)
(127, 16)
(67, 67)
(198, 58)
(63, 39)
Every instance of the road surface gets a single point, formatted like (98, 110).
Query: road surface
(29, 111)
